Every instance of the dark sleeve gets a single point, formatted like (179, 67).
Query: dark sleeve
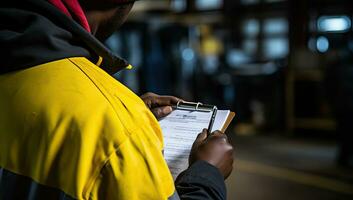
(201, 181)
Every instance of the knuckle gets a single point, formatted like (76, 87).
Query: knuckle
(213, 138)
(150, 98)
(159, 112)
(221, 138)
(199, 136)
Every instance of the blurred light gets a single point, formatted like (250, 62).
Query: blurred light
(210, 64)
(275, 25)
(188, 54)
(322, 44)
(276, 47)
(178, 5)
(269, 68)
(236, 57)
(208, 4)
(333, 23)
(251, 27)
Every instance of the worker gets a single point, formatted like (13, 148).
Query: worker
(68, 130)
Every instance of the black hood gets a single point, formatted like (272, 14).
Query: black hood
(34, 32)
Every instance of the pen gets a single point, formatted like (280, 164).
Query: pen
(213, 117)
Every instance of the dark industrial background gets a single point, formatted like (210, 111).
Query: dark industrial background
(284, 66)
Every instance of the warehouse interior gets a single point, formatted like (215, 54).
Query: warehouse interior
(285, 67)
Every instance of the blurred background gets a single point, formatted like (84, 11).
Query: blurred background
(284, 66)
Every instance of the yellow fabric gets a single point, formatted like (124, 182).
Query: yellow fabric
(100, 60)
(69, 125)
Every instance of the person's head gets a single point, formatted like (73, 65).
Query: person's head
(105, 16)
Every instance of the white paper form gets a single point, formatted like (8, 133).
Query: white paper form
(220, 120)
(180, 129)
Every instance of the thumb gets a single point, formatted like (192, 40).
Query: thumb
(161, 111)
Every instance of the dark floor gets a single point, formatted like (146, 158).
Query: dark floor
(274, 168)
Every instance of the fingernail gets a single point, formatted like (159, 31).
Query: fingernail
(167, 109)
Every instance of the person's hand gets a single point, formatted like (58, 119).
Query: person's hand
(160, 106)
(214, 149)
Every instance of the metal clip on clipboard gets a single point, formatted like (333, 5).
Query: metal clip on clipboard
(200, 107)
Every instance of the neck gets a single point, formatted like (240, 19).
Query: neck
(97, 17)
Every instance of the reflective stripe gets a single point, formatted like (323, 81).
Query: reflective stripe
(175, 196)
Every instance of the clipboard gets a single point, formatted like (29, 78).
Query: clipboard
(200, 107)
(181, 127)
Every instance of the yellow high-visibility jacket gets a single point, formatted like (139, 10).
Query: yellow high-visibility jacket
(70, 116)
